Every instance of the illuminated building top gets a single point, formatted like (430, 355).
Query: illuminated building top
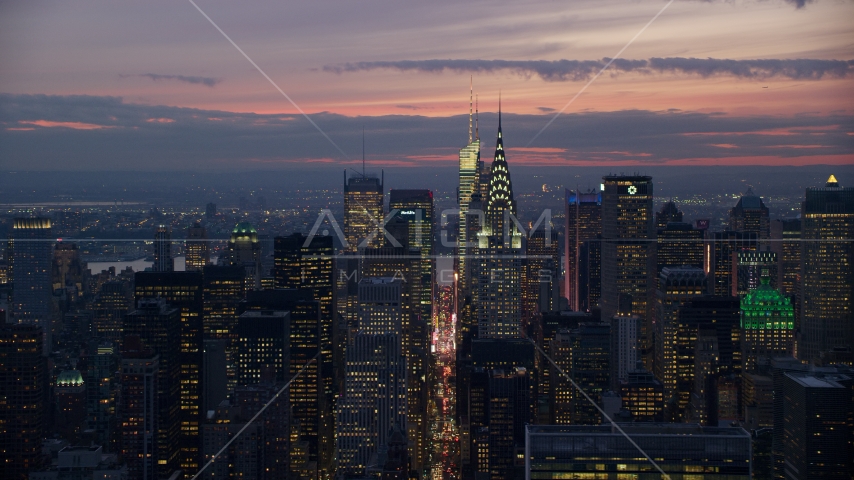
(500, 187)
(766, 308)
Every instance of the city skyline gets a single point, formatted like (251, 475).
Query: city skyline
(707, 83)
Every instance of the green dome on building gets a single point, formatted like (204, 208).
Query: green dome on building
(767, 308)
(244, 228)
(244, 231)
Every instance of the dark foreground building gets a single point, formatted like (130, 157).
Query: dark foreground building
(602, 452)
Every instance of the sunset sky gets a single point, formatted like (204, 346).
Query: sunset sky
(139, 85)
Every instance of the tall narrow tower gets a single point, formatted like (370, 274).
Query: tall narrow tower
(827, 266)
(469, 173)
(628, 250)
(496, 274)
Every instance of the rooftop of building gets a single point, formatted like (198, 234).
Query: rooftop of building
(633, 429)
(812, 381)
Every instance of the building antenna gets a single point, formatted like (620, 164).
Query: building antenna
(471, 93)
(476, 133)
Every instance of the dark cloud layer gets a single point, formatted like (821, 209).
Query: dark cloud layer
(207, 81)
(581, 70)
(41, 132)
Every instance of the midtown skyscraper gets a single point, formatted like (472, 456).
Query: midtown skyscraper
(497, 283)
(628, 251)
(827, 256)
(30, 253)
(583, 212)
(363, 211)
(198, 254)
(163, 261)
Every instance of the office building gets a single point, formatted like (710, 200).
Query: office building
(624, 343)
(163, 261)
(374, 400)
(30, 253)
(676, 287)
(363, 211)
(758, 401)
(767, 325)
(183, 290)
(415, 208)
(312, 412)
(583, 213)
(679, 244)
(307, 263)
(23, 388)
(721, 257)
(669, 213)
(496, 279)
(786, 235)
(681, 451)
(751, 266)
(69, 393)
(508, 411)
(263, 347)
(817, 430)
(590, 274)
(244, 250)
(827, 269)
(197, 248)
(750, 215)
(542, 274)
(643, 396)
(715, 318)
(112, 301)
(138, 412)
(102, 392)
(67, 271)
(470, 189)
(628, 251)
(157, 325)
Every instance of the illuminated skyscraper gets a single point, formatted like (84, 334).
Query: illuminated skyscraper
(308, 265)
(163, 261)
(750, 215)
(497, 287)
(469, 172)
(197, 248)
(30, 253)
(263, 347)
(244, 250)
(827, 266)
(542, 273)
(676, 287)
(374, 400)
(679, 244)
(158, 327)
(363, 211)
(786, 243)
(751, 266)
(767, 324)
(721, 257)
(403, 265)
(23, 390)
(138, 410)
(183, 290)
(583, 224)
(628, 251)
(415, 207)
(110, 306)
